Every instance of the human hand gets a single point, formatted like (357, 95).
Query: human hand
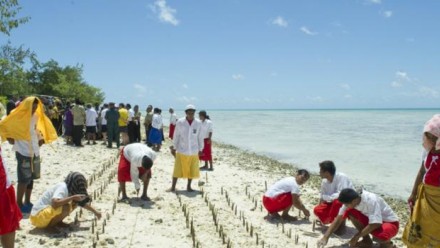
(11, 141)
(40, 142)
(78, 197)
(353, 241)
(322, 243)
(208, 141)
(98, 215)
(306, 213)
(411, 199)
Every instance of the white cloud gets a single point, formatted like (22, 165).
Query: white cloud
(307, 31)
(374, 1)
(428, 92)
(139, 87)
(237, 77)
(186, 99)
(345, 86)
(279, 21)
(348, 96)
(165, 13)
(396, 84)
(387, 14)
(185, 86)
(401, 75)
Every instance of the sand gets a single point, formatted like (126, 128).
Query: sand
(225, 212)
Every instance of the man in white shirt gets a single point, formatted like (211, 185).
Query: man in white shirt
(135, 163)
(332, 184)
(285, 194)
(370, 214)
(91, 117)
(104, 124)
(187, 146)
(131, 125)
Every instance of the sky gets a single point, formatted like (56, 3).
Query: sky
(245, 54)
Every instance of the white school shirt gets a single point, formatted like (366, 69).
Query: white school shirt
(285, 185)
(29, 148)
(157, 121)
(91, 116)
(330, 190)
(134, 154)
(8, 181)
(103, 119)
(130, 115)
(374, 207)
(59, 191)
(173, 119)
(187, 138)
(206, 128)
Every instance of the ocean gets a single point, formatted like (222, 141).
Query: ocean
(379, 149)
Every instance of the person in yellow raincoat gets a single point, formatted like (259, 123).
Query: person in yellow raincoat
(27, 128)
(423, 227)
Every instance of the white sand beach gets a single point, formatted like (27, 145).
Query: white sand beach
(225, 212)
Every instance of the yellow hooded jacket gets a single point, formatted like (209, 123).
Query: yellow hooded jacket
(18, 123)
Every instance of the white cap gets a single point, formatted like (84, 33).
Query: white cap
(190, 107)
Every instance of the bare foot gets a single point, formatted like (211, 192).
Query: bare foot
(145, 198)
(272, 216)
(365, 243)
(387, 245)
(62, 225)
(189, 190)
(170, 190)
(289, 218)
(124, 199)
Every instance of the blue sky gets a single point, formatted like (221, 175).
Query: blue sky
(235, 54)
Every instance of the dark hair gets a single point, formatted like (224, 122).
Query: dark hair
(121, 105)
(328, 166)
(204, 114)
(147, 163)
(128, 105)
(303, 172)
(105, 105)
(156, 110)
(77, 101)
(347, 196)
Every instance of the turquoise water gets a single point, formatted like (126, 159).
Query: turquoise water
(380, 149)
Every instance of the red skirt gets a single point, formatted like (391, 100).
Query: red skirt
(278, 203)
(327, 211)
(207, 152)
(124, 169)
(171, 131)
(10, 214)
(385, 232)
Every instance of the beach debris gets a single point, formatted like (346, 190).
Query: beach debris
(265, 185)
(313, 225)
(256, 236)
(93, 228)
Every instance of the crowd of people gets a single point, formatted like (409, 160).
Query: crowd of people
(30, 124)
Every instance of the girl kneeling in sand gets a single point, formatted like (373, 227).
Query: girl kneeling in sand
(284, 194)
(59, 201)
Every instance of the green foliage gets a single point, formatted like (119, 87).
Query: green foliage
(65, 82)
(8, 16)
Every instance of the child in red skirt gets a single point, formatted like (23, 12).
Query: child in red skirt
(10, 214)
(135, 163)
